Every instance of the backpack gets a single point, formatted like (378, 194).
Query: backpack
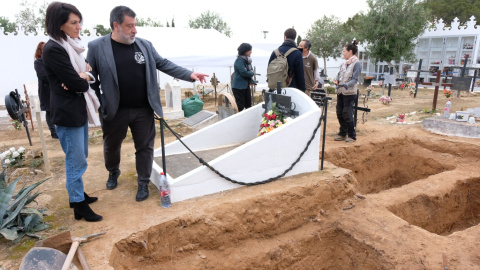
(277, 70)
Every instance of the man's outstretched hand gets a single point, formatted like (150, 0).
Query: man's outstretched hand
(197, 76)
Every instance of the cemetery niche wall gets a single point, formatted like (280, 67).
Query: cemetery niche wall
(446, 48)
(443, 47)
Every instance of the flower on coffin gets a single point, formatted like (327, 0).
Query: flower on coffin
(271, 120)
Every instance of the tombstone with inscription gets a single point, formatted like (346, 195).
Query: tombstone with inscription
(283, 104)
(461, 83)
(173, 101)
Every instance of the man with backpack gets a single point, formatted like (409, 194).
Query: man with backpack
(286, 64)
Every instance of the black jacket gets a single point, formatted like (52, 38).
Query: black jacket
(43, 86)
(295, 64)
(67, 107)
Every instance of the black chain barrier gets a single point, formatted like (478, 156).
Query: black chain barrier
(243, 183)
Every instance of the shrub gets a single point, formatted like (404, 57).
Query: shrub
(17, 220)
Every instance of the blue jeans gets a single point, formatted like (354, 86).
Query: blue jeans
(74, 141)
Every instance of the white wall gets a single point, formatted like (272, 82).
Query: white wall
(17, 55)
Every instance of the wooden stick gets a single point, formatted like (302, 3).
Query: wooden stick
(70, 255)
(76, 242)
(46, 161)
(82, 259)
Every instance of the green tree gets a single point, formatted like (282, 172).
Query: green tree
(8, 27)
(168, 25)
(391, 27)
(448, 10)
(209, 20)
(31, 17)
(327, 37)
(354, 25)
(173, 22)
(299, 39)
(148, 22)
(100, 30)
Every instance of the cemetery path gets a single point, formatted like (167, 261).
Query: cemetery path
(398, 197)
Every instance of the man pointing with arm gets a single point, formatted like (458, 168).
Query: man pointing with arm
(127, 87)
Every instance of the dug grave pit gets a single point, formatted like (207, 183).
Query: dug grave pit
(444, 214)
(294, 227)
(392, 163)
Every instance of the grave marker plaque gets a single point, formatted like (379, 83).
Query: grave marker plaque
(390, 79)
(461, 83)
(283, 103)
(318, 96)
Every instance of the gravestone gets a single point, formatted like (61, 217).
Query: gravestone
(173, 101)
(282, 103)
(318, 96)
(461, 83)
(200, 119)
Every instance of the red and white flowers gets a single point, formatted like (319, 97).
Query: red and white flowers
(270, 121)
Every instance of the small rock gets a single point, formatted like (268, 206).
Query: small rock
(202, 256)
(34, 153)
(19, 172)
(39, 171)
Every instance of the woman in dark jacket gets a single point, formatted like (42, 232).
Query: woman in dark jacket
(66, 69)
(43, 88)
(243, 77)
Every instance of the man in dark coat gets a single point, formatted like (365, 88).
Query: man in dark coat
(294, 59)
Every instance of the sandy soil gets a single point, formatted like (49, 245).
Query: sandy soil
(398, 198)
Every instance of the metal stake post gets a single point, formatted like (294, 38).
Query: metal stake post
(417, 80)
(390, 85)
(325, 108)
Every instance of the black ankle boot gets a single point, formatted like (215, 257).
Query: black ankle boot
(82, 210)
(88, 199)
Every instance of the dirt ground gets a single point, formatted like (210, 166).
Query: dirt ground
(399, 197)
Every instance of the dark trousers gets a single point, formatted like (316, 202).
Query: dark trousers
(50, 124)
(142, 126)
(345, 115)
(243, 98)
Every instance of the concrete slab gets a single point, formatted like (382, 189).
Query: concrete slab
(445, 126)
(172, 114)
(180, 164)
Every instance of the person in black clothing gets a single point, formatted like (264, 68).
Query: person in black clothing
(127, 86)
(294, 59)
(43, 88)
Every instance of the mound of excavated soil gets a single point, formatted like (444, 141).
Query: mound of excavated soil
(319, 221)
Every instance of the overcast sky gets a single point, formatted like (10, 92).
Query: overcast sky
(246, 18)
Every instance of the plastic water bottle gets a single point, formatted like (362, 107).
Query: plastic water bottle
(164, 191)
(448, 105)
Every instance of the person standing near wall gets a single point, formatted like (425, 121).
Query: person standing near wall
(69, 80)
(243, 77)
(310, 66)
(43, 88)
(346, 81)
